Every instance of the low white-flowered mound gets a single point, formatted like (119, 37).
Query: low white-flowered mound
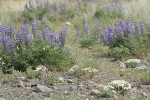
(120, 84)
(116, 84)
(89, 69)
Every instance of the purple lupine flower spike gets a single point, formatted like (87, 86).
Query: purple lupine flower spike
(52, 38)
(123, 25)
(84, 21)
(142, 26)
(9, 44)
(87, 30)
(129, 37)
(45, 33)
(111, 38)
(11, 30)
(110, 29)
(34, 26)
(1, 28)
(118, 29)
(128, 26)
(62, 36)
(137, 29)
(100, 26)
(78, 33)
(29, 39)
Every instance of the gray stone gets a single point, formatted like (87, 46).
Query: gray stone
(20, 78)
(20, 84)
(33, 82)
(42, 88)
(2, 99)
(66, 93)
(0, 84)
(69, 80)
(73, 87)
(60, 79)
(47, 98)
(80, 87)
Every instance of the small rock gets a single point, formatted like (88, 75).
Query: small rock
(2, 99)
(66, 93)
(72, 88)
(121, 64)
(95, 92)
(116, 98)
(40, 68)
(33, 82)
(60, 78)
(0, 84)
(42, 88)
(20, 78)
(69, 81)
(80, 87)
(20, 84)
(47, 98)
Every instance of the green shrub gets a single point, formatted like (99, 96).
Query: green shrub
(53, 57)
(99, 13)
(31, 14)
(66, 14)
(53, 80)
(31, 74)
(112, 14)
(145, 78)
(87, 42)
(7, 78)
(106, 94)
(120, 52)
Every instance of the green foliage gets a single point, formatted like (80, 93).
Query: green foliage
(99, 13)
(88, 41)
(31, 14)
(7, 78)
(106, 94)
(131, 65)
(53, 80)
(66, 14)
(53, 57)
(40, 13)
(140, 45)
(110, 14)
(145, 78)
(120, 52)
(31, 74)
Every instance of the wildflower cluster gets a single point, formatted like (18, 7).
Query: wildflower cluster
(32, 47)
(128, 36)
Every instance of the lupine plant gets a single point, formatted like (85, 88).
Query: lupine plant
(29, 48)
(89, 37)
(131, 38)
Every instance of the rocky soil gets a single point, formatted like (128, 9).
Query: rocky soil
(73, 84)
